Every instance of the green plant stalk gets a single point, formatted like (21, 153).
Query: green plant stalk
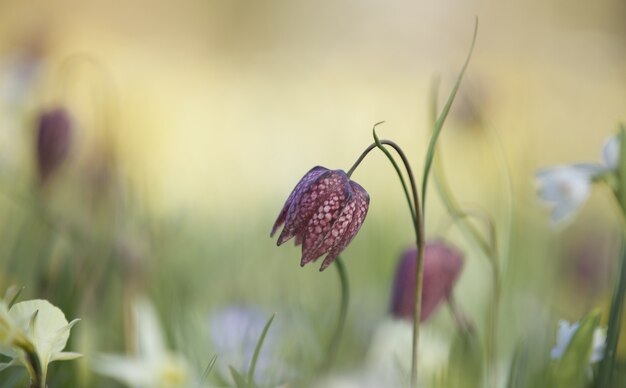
(257, 350)
(343, 312)
(34, 367)
(414, 208)
(617, 304)
(395, 166)
(418, 225)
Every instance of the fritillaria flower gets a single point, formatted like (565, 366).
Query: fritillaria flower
(54, 131)
(442, 266)
(566, 188)
(324, 213)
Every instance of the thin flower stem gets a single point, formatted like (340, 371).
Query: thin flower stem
(37, 378)
(343, 312)
(414, 207)
(418, 225)
(402, 181)
(617, 304)
(615, 320)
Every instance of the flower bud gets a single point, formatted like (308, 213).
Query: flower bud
(442, 266)
(54, 132)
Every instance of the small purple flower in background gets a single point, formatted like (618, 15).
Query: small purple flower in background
(324, 212)
(442, 266)
(54, 132)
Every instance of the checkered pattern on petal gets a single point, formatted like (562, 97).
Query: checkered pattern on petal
(288, 213)
(349, 228)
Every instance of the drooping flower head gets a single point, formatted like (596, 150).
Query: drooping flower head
(324, 212)
(53, 140)
(442, 266)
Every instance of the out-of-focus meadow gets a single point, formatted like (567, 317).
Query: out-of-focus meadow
(192, 121)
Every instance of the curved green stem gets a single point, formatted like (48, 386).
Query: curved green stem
(410, 202)
(343, 312)
(418, 225)
(413, 202)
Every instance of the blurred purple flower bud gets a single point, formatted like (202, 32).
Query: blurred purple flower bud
(442, 266)
(324, 213)
(54, 132)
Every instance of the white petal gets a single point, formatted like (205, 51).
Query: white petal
(599, 343)
(148, 330)
(63, 356)
(611, 152)
(49, 332)
(565, 188)
(132, 372)
(564, 336)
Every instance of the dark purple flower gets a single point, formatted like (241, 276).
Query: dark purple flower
(442, 266)
(324, 213)
(53, 140)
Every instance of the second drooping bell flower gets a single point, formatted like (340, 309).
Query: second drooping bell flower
(442, 267)
(324, 212)
(54, 132)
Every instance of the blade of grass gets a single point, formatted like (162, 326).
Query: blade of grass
(12, 294)
(208, 369)
(440, 121)
(257, 350)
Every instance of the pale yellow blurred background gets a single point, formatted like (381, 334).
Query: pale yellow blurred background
(209, 112)
(221, 105)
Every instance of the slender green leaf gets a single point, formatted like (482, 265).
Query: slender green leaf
(208, 369)
(440, 121)
(240, 381)
(257, 350)
(12, 294)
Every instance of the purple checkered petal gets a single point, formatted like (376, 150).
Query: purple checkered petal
(361, 200)
(334, 235)
(295, 195)
(329, 208)
(307, 204)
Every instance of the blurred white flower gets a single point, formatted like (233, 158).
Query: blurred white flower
(34, 326)
(234, 333)
(611, 152)
(566, 188)
(153, 366)
(565, 334)
(388, 361)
